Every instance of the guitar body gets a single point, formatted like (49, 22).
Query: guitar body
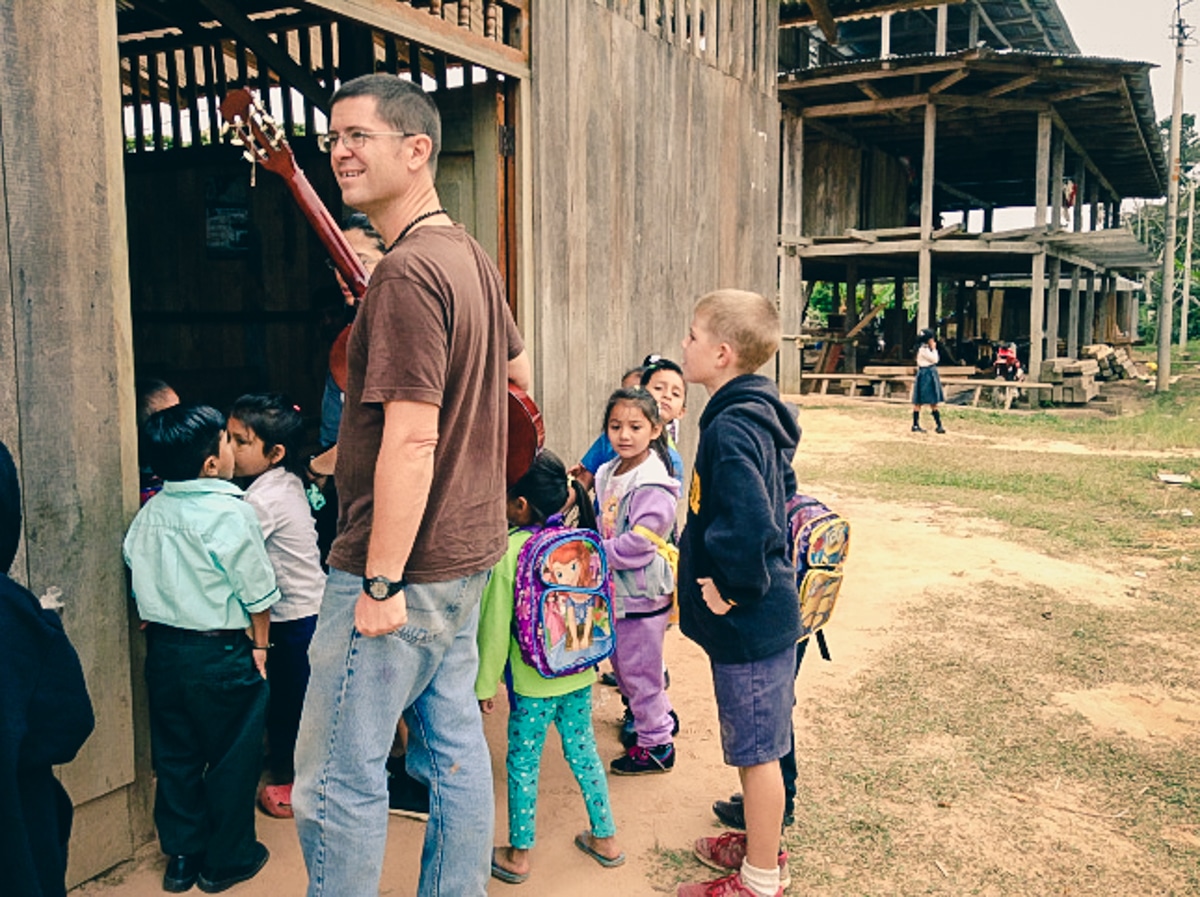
(265, 145)
(526, 433)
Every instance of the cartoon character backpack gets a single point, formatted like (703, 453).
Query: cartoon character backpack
(563, 605)
(819, 541)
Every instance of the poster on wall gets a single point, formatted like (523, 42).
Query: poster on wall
(226, 218)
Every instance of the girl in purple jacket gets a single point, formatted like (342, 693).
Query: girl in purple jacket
(635, 491)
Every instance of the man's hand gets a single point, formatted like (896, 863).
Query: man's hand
(487, 705)
(260, 660)
(712, 597)
(373, 618)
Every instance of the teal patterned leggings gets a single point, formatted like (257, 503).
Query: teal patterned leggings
(527, 727)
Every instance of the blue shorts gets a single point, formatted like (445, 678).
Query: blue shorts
(754, 706)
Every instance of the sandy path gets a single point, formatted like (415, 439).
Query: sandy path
(900, 552)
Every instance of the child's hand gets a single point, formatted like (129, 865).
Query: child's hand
(487, 705)
(260, 660)
(712, 597)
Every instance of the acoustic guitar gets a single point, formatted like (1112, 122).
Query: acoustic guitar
(263, 143)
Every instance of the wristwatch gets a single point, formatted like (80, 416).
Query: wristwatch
(381, 588)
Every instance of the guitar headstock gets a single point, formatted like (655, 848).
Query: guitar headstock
(259, 135)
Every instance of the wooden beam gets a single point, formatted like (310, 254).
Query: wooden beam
(274, 55)
(797, 80)
(1058, 159)
(1084, 90)
(964, 101)
(1010, 86)
(432, 32)
(885, 35)
(824, 19)
(925, 258)
(950, 80)
(1053, 301)
(943, 19)
(991, 25)
(865, 107)
(1037, 310)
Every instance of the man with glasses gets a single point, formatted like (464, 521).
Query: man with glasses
(420, 474)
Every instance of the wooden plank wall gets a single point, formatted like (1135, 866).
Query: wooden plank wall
(66, 403)
(655, 180)
(830, 187)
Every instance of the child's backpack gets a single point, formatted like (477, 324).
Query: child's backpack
(819, 541)
(563, 606)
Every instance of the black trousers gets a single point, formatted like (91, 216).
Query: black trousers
(208, 705)
(287, 671)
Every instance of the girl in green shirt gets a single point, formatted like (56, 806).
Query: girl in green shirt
(536, 701)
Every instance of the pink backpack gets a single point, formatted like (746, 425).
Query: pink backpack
(563, 608)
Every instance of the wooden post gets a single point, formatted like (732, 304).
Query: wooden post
(1073, 316)
(1094, 193)
(1186, 296)
(885, 35)
(791, 285)
(987, 219)
(1037, 294)
(1053, 301)
(973, 28)
(943, 16)
(925, 260)
(1037, 307)
(67, 392)
(1042, 177)
(1089, 310)
(851, 353)
(1057, 170)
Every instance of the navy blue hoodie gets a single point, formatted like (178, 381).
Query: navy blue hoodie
(736, 530)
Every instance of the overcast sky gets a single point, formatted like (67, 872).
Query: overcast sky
(1139, 30)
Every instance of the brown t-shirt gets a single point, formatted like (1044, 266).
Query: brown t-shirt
(433, 327)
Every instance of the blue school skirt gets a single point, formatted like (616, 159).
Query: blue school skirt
(927, 390)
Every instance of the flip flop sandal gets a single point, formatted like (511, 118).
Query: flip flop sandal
(506, 875)
(581, 841)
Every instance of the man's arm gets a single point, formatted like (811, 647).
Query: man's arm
(403, 474)
(520, 371)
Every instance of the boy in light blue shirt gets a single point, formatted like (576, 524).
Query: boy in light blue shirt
(202, 578)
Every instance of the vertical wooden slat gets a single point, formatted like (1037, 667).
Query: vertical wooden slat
(212, 57)
(192, 68)
(264, 82)
(306, 35)
(243, 64)
(285, 90)
(135, 94)
(328, 66)
(173, 96)
(391, 61)
(152, 81)
(222, 82)
(414, 62)
(439, 71)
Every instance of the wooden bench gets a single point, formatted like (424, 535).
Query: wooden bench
(854, 381)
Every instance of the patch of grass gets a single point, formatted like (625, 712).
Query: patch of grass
(953, 749)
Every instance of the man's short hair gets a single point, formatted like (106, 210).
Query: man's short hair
(400, 103)
(744, 320)
(179, 439)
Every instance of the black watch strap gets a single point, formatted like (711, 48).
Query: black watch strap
(381, 588)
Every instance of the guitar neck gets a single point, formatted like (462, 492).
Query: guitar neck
(330, 234)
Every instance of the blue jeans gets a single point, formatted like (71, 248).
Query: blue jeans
(357, 690)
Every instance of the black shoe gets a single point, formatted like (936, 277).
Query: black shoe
(406, 796)
(218, 880)
(181, 874)
(940, 429)
(628, 734)
(917, 428)
(666, 678)
(608, 679)
(640, 761)
(732, 814)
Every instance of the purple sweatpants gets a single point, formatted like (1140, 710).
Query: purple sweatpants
(637, 662)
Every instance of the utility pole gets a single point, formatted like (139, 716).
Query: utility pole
(1186, 298)
(1180, 33)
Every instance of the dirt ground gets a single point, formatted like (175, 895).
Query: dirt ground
(888, 569)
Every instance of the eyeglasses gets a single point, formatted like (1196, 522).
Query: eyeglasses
(354, 139)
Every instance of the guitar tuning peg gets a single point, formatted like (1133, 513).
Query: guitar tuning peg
(249, 156)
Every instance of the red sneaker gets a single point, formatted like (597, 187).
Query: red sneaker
(276, 800)
(729, 886)
(726, 852)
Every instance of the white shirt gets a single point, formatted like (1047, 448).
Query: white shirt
(278, 499)
(926, 357)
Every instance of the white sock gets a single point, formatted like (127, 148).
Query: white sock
(763, 882)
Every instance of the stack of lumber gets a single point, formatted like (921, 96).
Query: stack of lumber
(1113, 364)
(1074, 381)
